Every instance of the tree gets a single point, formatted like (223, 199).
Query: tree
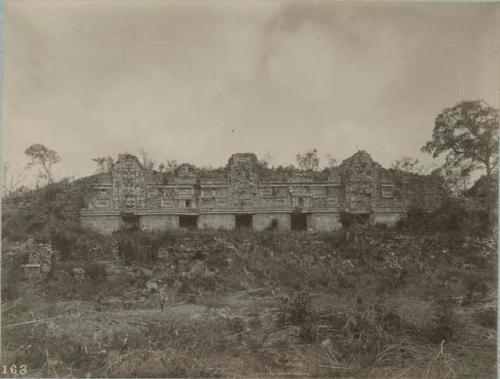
(104, 164)
(12, 179)
(332, 161)
(478, 189)
(172, 165)
(309, 160)
(467, 134)
(264, 164)
(43, 157)
(456, 178)
(101, 164)
(267, 160)
(147, 161)
(410, 165)
(460, 173)
(109, 164)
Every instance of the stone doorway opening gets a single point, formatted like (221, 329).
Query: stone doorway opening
(362, 218)
(188, 222)
(131, 221)
(243, 221)
(298, 221)
(349, 219)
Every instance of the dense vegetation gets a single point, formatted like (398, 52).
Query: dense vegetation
(417, 300)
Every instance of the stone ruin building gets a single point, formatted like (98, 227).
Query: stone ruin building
(246, 195)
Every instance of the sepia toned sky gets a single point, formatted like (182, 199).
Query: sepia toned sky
(197, 81)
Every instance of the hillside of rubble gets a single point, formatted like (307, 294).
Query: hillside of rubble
(418, 300)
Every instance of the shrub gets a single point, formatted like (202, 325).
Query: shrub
(217, 259)
(96, 271)
(414, 219)
(487, 317)
(295, 310)
(475, 288)
(446, 321)
(452, 216)
(346, 219)
(273, 225)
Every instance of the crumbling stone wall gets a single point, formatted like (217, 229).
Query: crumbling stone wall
(129, 183)
(243, 180)
(106, 224)
(360, 180)
(159, 222)
(217, 221)
(387, 218)
(40, 253)
(358, 185)
(324, 222)
(262, 221)
(213, 194)
(85, 246)
(368, 187)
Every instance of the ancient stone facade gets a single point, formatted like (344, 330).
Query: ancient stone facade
(242, 196)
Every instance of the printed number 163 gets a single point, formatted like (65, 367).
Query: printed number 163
(14, 369)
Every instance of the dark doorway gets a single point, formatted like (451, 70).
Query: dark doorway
(188, 222)
(362, 218)
(131, 221)
(299, 221)
(349, 219)
(243, 222)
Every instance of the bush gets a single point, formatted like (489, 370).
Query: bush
(346, 219)
(414, 219)
(452, 216)
(273, 225)
(96, 271)
(295, 310)
(62, 243)
(475, 289)
(487, 317)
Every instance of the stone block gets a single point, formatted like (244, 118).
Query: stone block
(387, 218)
(159, 222)
(105, 224)
(216, 221)
(324, 222)
(262, 221)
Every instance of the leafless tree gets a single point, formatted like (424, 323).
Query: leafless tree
(172, 165)
(331, 160)
(13, 179)
(309, 160)
(147, 161)
(100, 161)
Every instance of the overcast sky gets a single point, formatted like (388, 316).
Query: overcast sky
(198, 81)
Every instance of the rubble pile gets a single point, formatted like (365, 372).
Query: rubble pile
(40, 253)
(35, 258)
(12, 248)
(88, 247)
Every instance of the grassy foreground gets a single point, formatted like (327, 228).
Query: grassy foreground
(368, 302)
